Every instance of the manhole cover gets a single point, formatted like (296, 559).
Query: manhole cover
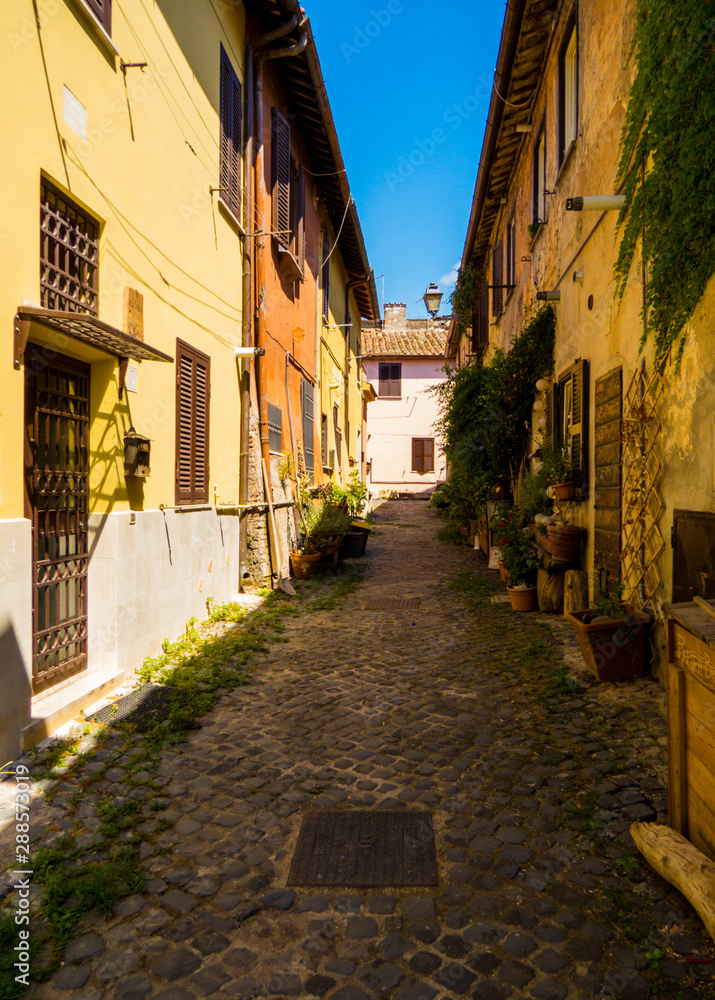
(394, 604)
(143, 708)
(365, 848)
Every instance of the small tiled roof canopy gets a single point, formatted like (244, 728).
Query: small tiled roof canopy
(403, 343)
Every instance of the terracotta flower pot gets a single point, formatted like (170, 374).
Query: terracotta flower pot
(564, 491)
(304, 565)
(565, 541)
(616, 649)
(522, 598)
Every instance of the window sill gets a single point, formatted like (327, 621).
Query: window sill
(397, 398)
(103, 37)
(230, 216)
(566, 160)
(289, 265)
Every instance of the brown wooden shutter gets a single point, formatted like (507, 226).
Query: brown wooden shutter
(230, 145)
(193, 392)
(102, 10)
(480, 329)
(417, 455)
(428, 451)
(280, 193)
(299, 228)
(306, 405)
(549, 414)
(579, 426)
(497, 279)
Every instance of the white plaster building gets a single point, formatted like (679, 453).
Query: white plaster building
(402, 359)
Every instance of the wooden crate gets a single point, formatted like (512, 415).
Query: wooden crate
(691, 725)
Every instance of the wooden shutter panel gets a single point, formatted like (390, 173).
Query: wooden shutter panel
(549, 415)
(428, 452)
(482, 320)
(299, 252)
(579, 427)
(102, 10)
(193, 394)
(384, 383)
(306, 400)
(497, 279)
(417, 464)
(396, 380)
(230, 144)
(280, 193)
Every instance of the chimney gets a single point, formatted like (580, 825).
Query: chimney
(395, 315)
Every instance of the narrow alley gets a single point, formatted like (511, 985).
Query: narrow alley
(416, 693)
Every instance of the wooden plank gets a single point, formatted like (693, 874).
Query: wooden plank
(607, 540)
(608, 386)
(606, 433)
(702, 825)
(608, 454)
(677, 773)
(608, 411)
(700, 745)
(608, 475)
(695, 656)
(608, 496)
(609, 520)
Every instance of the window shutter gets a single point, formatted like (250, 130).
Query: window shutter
(280, 193)
(497, 279)
(275, 429)
(429, 454)
(417, 464)
(480, 328)
(102, 10)
(549, 415)
(193, 393)
(579, 427)
(306, 400)
(326, 275)
(230, 147)
(299, 252)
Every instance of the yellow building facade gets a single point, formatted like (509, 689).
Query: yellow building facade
(643, 449)
(121, 302)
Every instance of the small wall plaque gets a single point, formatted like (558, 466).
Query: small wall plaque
(134, 313)
(74, 113)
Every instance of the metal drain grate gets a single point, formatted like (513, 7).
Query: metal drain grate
(142, 708)
(393, 604)
(365, 848)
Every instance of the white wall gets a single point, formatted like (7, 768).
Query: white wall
(393, 422)
(15, 633)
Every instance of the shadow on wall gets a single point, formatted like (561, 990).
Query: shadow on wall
(16, 694)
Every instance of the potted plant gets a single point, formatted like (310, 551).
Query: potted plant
(556, 469)
(612, 637)
(521, 567)
(304, 558)
(502, 525)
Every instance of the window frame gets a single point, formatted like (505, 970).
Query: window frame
(567, 420)
(389, 380)
(231, 138)
(568, 70)
(101, 11)
(418, 445)
(539, 178)
(197, 492)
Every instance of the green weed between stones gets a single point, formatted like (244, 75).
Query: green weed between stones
(89, 866)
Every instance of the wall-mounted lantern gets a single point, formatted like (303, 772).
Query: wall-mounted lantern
(596, 203)
(432, 299)
(137, 454)
(553, 296)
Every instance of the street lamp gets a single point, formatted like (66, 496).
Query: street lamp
(432, 298)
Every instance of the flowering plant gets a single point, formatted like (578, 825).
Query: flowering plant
(519, 560)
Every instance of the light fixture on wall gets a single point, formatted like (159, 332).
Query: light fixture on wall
(578, 276)
(552, 296)
(542, 384)
(539, 405)
(596, 203)
(432, 299)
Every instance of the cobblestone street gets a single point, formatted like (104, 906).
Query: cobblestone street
(460, 707)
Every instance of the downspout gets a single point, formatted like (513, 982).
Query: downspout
(260, 262)
(248, 273)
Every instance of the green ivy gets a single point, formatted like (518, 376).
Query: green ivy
(470, 279)
(485, 410)
(668, 163)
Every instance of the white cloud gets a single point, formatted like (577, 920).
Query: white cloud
(450, 279)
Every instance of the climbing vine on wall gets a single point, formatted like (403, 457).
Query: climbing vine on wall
(668, 162)
(485, 411)
(470, 279)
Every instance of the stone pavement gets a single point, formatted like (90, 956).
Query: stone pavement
(531, 779)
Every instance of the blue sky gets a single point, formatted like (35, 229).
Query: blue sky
(409, 83)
